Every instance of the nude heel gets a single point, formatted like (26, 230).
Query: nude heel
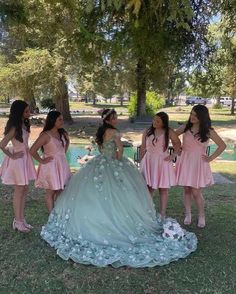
(188, 219)
(19, 226)
(201, 221)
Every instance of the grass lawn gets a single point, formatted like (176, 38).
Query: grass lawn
(29, 265)
(98, 106)
(221, 118)
(227, 169)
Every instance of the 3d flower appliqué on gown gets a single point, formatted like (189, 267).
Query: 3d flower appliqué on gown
(105, 216)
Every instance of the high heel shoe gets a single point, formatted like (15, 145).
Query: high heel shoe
(188, 219)
(201, 223)
(20, 226)
(28, 226)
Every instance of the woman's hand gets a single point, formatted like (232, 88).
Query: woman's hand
(17, 155)
(206, 158)
(170, 157)
(46, 160)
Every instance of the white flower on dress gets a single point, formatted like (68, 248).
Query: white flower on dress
(116, 174)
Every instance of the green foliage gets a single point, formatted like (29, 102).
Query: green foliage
(47, 103)
(217, 106)
(153, 103)
(218, 76)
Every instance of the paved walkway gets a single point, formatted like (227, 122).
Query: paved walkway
(219, 179)
(228, 135)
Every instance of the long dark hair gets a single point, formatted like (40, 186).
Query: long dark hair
(50, 123)
(204, 122)
(15, 119)
(107, 114)
(165, 121)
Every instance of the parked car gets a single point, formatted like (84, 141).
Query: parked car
(225, 101)
(195, 100)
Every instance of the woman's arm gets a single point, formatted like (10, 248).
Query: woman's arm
(143, 145)
(67, 141)
(41, 141)
(175, 141)
(180, 130)
(219, 142)
(176, 145)
(119, 146)
(3, 144)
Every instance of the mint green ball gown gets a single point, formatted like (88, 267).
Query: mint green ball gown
(106, 216)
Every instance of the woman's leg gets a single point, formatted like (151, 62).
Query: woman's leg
(23, 201)
(18, 207)
(23, 208)
(151, 191)
(187, 200)
(163, 201)
(49, 199)
(199, 200)
(56, 194)
(18, 202)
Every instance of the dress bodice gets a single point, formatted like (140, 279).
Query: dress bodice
(109, 148)
(21, 146)
(156, 145)
(54, 146)
(192, 143)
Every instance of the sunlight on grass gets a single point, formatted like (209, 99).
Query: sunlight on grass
(226, 168)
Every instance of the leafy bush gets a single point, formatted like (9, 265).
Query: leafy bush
(217, 106)
(153, 103)
(48, 103)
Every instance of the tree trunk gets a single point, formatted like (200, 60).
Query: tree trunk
(122, 100)
(93, 98)
(7, 99)
(61, 100)
(28, 96)
(86, 97)
(232, 106)
(233, 96)
(141, 87)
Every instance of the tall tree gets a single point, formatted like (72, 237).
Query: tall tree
(151, 33)
(45, 25)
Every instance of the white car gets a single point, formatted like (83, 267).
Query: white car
(195, 100)
(225, 101)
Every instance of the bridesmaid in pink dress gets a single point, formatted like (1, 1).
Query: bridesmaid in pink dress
(156, 164)
(193, 168)
(53, 171)
(17, 168)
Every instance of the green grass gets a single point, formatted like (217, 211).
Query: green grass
(99, 106)
(178, 114)
(227, 169)
(220, 117)
(29, 265)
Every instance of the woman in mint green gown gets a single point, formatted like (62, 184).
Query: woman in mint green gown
(106, 216)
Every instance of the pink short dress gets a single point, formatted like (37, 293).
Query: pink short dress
(191, 169)
(55, 174)
(157, 172)
(18, 171)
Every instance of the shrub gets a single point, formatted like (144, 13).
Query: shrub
(153, 103)
(217, 106)
(48, 103)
